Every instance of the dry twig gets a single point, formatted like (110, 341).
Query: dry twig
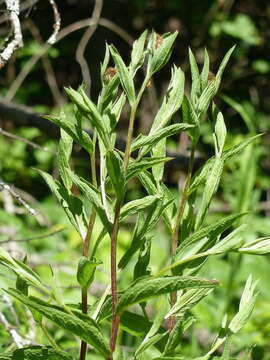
(57, 23)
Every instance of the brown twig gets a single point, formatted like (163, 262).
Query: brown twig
(28, 142)
(83, 43)
(51, 78)
(54, 232)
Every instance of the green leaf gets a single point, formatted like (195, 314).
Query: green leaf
(222, 66)
(220, 132)
(136, 167)
(94, 197)
(211, 186)
(86, 271)
(206, 97)
(162, 53)
(236, 149)
(134, 324)
(187, 300)
(72, 206)
(246, 306)
(135, 206)
(36, 353)
(153, 138)
(172, 100)
(73, 130)
(151, 287)
(104, 64)
(195, 77)
(140, 268)
(80, 325)
(89, 109)
(200, 240)
(259, 246)
(205, 70)
(21, 270)
(115, 171)
(64, 152)
(124, 75)
(137, 54)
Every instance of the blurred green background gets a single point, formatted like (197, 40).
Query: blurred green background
(215, 25)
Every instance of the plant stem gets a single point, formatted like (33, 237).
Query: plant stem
(47, 334)
(177, 227)
(86, 245)
(115, 317)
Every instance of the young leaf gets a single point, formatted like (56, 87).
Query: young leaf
(136, 167)
(157, 135)
(220, 133)
(78, 135)
(64, 152)
(137, 54)
(136, 206)
(124, 75)
(162, 53)
(115, 171)
(80, 325)
(86, 271)
(209, 190)
(246, 306)
(134, 324)
(222, 66)
(205, 70)
(94, 197)
(172, 100)
(72, 205)
(195, 77)
(151, 287)
(259, 246)
(36, 353)
(206, 97)
(140, 268)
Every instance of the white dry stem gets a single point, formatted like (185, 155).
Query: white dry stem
(57, 23)
(13, 9)
(18, 340)
(4, 186)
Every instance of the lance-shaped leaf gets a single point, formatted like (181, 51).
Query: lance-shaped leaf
(211, 186)
(155, 333)
(162, 53)
(153, 138)
(134, 324)
(136, 167)
(220, 133)
(137, 53)
(64, 152)
(135, 206)
(80, 325)
(72, 205)
(206, 97)
(195, 77)
(259, 246)
(222, 66)
(89, 109)
(147, 288)
(86, 271)
(205, 70)
(79, 135)
(172, 100)
(174, 339)
(187, 300)
(124, 75)
(115, 171)
(246, 306)
(36, 353)
(141, 267)
(93, 196)
(21, 270)
(108, 93)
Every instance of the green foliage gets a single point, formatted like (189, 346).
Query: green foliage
(104, 204)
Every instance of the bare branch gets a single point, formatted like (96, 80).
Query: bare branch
(13, 8)
(62, 34)
(83, 43)
(57, 23)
